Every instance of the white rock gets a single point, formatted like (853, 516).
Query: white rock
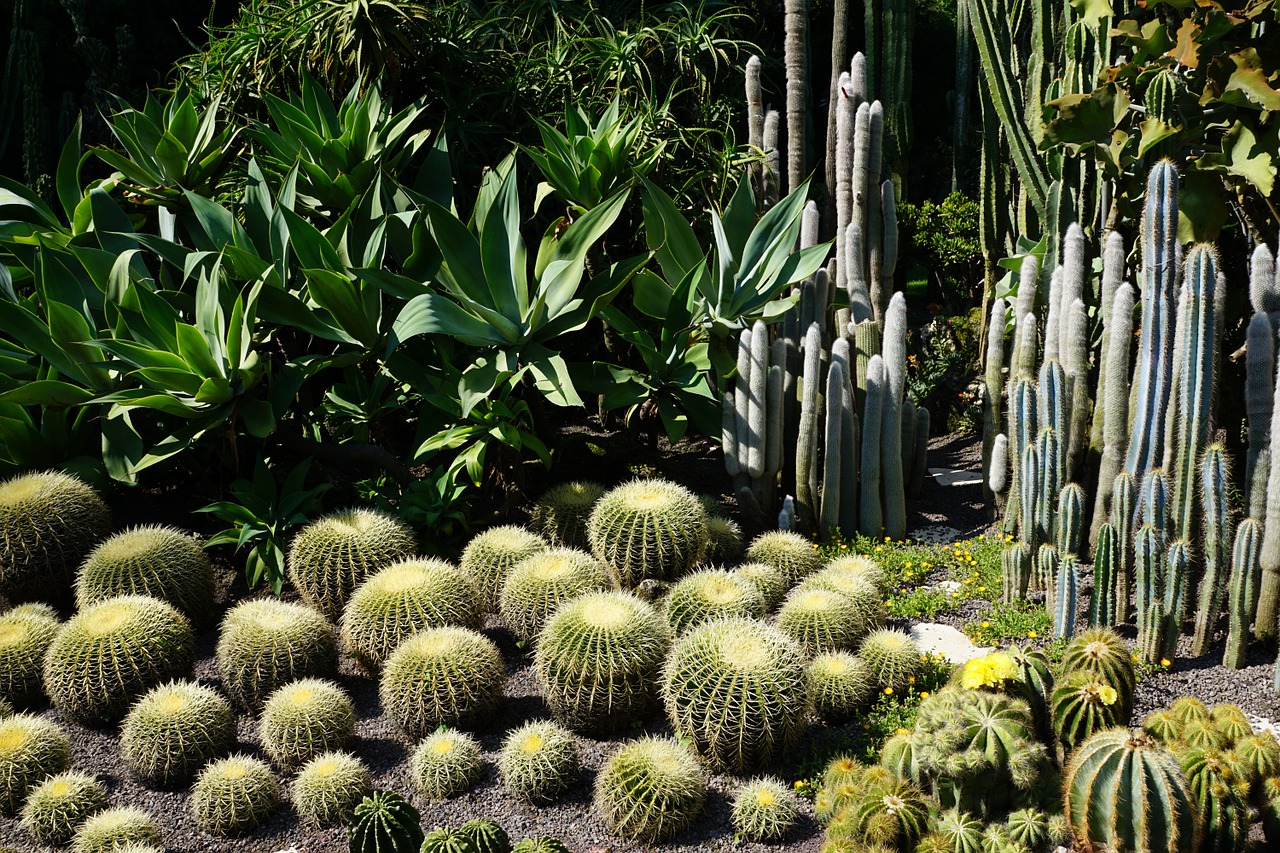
(947, 641)
(937, 534)
(954, 477)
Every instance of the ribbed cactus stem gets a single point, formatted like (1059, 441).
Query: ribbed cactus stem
(866, 343)
(755, 117)
(1244, 579)
(787, 515)
(1016, 564)
(856, 285)
(757, 399)
(1073, 268)
(895, 365)
(849, 462)
(994, 385)
(1264, 285)
(1065, 600)
(908, 443)
(835, 400)
(1269, 593)
(840, 159)
(1148, 559)
(1070, 519)
(1115, 400)
(1112, 278)
(1195, 389)
(1054, 319)
(795, 58)
(1025, 352)
(807, 442)
(1151, 633)
(1028, 276)
(1106, 559)
(1029, 483)
(1259, 376)
(1049, 446)
(870, 514)
(1154, 502)
(1048, 561)
(776, 410)
(742, 400)
(770, 182)
(1077, 368)
(874, 222)
(839, 98)
(729, 434)
(889, 233)
(1052, 397)
(1176, 581)
(998, 472)
(1216, 523)
(1123, 504)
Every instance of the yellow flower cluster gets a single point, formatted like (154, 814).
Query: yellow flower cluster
(989, 671)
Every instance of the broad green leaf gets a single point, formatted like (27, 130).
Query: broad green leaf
(47, 392)
(669, 234)
(337, 294)
(68, 179)
(1258, 168)
(1092, 11)
(433, 314)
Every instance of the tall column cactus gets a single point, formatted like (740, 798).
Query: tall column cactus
(807, 445)
(1195, 388)
(1245, 572)
(1114, 378)
(795, 45)
(1216, 508)
(1259, 391)
(895, 358)
(993, 392)
(870, 514)
(755, 120)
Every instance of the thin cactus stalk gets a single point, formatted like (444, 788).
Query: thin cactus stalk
(1259, 394)
(729, 434)
(1112, 278)
(1264, 283)
(1151, 633)
(1016, 565)
(757, 399)
(1053, 319)
(1029, 483)
(771, 190)
(1269, 592)
(795, 58)
(807, 446)
(1028, 275)
(1148, 558)
(870, 515)
(866, 343)
(1123, 501)
(1106, 559)
(742, 401)
(874, 222)
(1049, 446)
(1154, 502)
(998, 475)
(1048, 561)
(840, 139)
(994, 390)
(836, 396)
(1077, 369)
(895, 365)
(1195, 397)
(836, 96)
(849, 464)
(1115, 401)
(1176, 581)
(1215, 501)
(1070, 519)
(908, 443)
(1065, 599)
(776, 409)
(1024, 425)
(1244, 577)
(755, 119)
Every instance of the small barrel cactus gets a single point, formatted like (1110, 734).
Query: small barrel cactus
(648, 530)
(561, 515)
(108, 655)
(540, 583)
(486, 835)
(724, 540)
(712, 594)
(162, 562)
(402, 599)
(115, 829)
(765, 810)
(445, 764)
(650, 789)
(48, 522)
(821, 620)
(266, 643)
(789, 553)
(328, 787)
(961, 831)
(442, 677)
(330, 556)
(57, 806)
(31, 748)
(894, 813)
(385, 822)
(444, 839)
(1231, 722)
(891, 656)
(1083, 705)
(1189, 709)
(305, 718)
(856, 566)
(538, 761)
(489, 557)
(234, 795)
(1256, 757)
(1104, 654)
(174, 730)
(838, 683)
(25, 635)
(540, 844)
(771, 583)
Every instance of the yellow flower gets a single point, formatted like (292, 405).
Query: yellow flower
(1165, 662)
(1107, 694)
(989, 671)
(986, 624)
(924, 694)
(982, 589)
(888, 691)
(901, 731)
(1031, 634)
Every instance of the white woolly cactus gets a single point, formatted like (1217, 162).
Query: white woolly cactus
(25, 635)
(538, 761)
(304, 719)
(489, 557)
(445, 764)
(328, 787)
(821, 620)
(331, 556)
(541, 582)
(48, 522)
(648, 530)
(838, 683)
(266, 643)
(712, 594)
(768, 579)
(234, 795)
(562, 513)
(31, 748)
(789, 553)
(162, 562)
(442, 677)
(406, 597)
(174, 730)
(891, 656)
(116, 828)
(765, 810)
(650, 789)
(59, 804)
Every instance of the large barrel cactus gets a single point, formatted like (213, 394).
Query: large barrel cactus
(331, 556)
(48, 522)
(328, 787)
(162, 562)
(31, 748)
(540, 583)
(442, 677)
(648, 530)
(174, 730)
(650, 789)
(266, 643)
(561, 515)
(489, 557)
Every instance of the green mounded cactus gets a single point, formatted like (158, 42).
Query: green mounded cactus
(1125, 792)
(540, 844)
(855, 566)
(858, 587)
(328, 787)
(961, 832)
(540, 583)
(234, 795)
(736, 688)
(1188, 709)
(489, 557)
(31, 748)
(1269, 810)
(764, 809)
(893, 813)
(56, 807)
(385, 822)
(561, 515)
(1199, 734)
(650, 789)
(821, 620)
(891, 656)
(1231, 722)
(329, 557)
(162, 562)
(486, 835)
(898, 755)
(1255, 757)
(406, 597)
(648, 530)
(48, 522)
(25, 634)
(174, 730)
(771, 583)
(1103, 653)
(724, 540)
(442, 677)
(838, 683)
(1222, 798)
(266, 643)
(445, 839)
(114, 829)
(305, 718)
(712, 594)
(599, 658)
(446, 763)
(1083, 705)
(1034, 686)
(108, 655)
(538, 761)
(789, 553)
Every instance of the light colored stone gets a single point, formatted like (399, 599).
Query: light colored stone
(943, 639)
(937, 534)
(953, 477)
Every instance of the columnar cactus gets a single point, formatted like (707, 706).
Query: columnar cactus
(871, 512)
(1245, 575)
(648, 529)
(330, 556)
(1106, 564)
(1113, 393)
(1065, 599)
(1259, 396)
(1196, 331)
(650, 789)
(1216, 523)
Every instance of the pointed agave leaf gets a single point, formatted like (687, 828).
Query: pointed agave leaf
(434, 314)
(502, 252)
(337, 294)
(69, 188)
(669, 235)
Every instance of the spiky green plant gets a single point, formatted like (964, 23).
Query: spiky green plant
(442, 677)
(109, 654)
(1256, 757)
(305, 718)
(1083, 705)
(857, 588)
(234, 795)
(961, 832)
(329, 557)
(1103, 653)
(648, 529)
(404, 598)
(486, 835)
(1034, 686)
(48, 522)
(768, 580)
(538, 761)
(266, 643)
(1199, 734)
(599, 658)
(540, 583)
(444, 839)
(445, 764)
(174, 730)
(328, 787)
(489, 557)
(1231, 722)
(58, 805)
(1187, 709)
(31, 748)
(712, 594)
(650, 789)
(1222, 798)
(724, 540)
(838, 682)
(736, 688)
(821, 620)
(789, 553)
(26, 632)
(540, 844)
(764, 809)
(162, 562)
(1161, 725)
(562, 513)
(857, 566)
(385, 822)
(116, 828)
(894, 813)
(891, 656)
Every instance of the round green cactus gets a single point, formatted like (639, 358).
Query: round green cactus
(402, 599)
(899, 756)
(234, 795)
(1256, 757)
(489, 557)
(895, 813)
(1103, 653)
(1033, 686)
(724, 540)
(820, 620)
(961, 831)
(444, 839)
(59, 804)
(1199, 734)
(768, 580)
(48, 522)
(266, 643)
(789, 553)
(540, 844)
(860, 591)
(25, 635)
(838, 683)
(31, 748)
(385, 821)
(1028, 827)
(857, 566)
(330, 556)
(1189, 709)
(486, 835)
(328, 787)
(1083, 705)
(1162, 726)
(1222, 799)
(562, 514)
(305, 718)
(111, 653)
(598, 660)
(736, 688)
(442, 677)
(540, 583)
(1231, 722)
(765, 810)
(162, 562)
(174, 730)
(891, 656)
(538, 761)
(712, 594)
(114, 829)
(445, 764)
(650, 789)
(648, 530)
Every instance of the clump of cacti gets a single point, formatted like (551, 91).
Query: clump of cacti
(328, 787)
(109, 654)
(650, 789)
(329, 557)
(115, 829)
(891, 656)
(56, 807)
(162, 562)
(736, 688)
(486, 835)
(31, 748)
(305, 718)
(385, 822)
(562, 513)
(764, 809)
(891, 812)
(767, 579)
(234, 795)
(489, 557)
(540, 583)
(1083, 705)
(598, 660)
(538, 761)
(540, 844)
(265, 643)
(174, 730)
(446, 763)
(821, 619)
(712, 594)
(790, 553)
(48, 522)
(442, 677)
(446, 839)
(402, 599)
(25, 634)
(1221, 797)
(838, 683)
(648, 530)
